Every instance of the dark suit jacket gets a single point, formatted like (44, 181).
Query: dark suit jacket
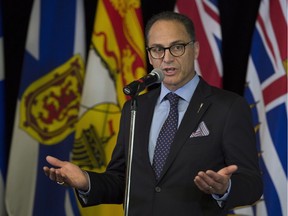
(231, 140)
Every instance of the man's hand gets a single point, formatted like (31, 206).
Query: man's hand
(212, 182)
(66, 173)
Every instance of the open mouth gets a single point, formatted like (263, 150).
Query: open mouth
(169, 71)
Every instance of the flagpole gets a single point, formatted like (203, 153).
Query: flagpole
(130, 154)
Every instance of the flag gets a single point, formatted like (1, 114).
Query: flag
(266, 92)
(3, 144)
(47, 108)
(116, 58)
(205, 15)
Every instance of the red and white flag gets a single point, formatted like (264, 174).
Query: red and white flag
(205, 15)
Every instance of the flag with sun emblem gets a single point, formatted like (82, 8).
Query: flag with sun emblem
(116, 57)
(266, 92)
(47, 108)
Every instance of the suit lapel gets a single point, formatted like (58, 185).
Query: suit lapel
(145, 120)
(196, 109)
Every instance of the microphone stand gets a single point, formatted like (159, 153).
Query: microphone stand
(130, 154)
(133, 89)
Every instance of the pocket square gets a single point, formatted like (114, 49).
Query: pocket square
(201, 131)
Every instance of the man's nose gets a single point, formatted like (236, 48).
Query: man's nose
(167, 56)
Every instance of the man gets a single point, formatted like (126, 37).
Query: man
(211, 165)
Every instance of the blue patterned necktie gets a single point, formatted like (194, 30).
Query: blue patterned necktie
(166, 135)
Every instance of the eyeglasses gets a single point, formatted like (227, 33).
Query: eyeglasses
(176, 50)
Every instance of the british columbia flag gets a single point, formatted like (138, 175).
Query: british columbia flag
(205, 15)
(266, 92)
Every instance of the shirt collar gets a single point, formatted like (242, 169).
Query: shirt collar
(185, 92)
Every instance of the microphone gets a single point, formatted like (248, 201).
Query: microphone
(155, 76)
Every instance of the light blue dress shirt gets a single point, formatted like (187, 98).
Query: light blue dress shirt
(162, 108)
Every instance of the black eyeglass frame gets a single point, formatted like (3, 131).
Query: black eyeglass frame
(169, 48)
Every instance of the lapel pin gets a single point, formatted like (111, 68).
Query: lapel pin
(200, 107)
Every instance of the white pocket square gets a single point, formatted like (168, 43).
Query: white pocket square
(201, 131)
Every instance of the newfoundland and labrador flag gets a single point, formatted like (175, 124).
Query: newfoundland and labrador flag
(205, 15)
(47, 108)
(116, 58)
(266, 92)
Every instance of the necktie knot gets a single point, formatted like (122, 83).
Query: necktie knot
(173, 99)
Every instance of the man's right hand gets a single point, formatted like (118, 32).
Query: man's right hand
(66, 173)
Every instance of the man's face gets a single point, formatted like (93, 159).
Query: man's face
(177, 70)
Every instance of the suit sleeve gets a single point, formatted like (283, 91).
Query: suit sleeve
(240, 149)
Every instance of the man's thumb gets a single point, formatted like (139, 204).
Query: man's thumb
(54, 161)
(229, 170)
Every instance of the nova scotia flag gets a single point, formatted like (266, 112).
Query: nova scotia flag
(47, 108)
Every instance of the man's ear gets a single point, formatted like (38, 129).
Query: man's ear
(196, 47)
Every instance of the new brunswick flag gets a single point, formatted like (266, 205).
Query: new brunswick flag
(116, 57)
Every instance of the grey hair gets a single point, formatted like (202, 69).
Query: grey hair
(171, 16)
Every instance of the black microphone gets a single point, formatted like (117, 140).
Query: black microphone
(155, 76)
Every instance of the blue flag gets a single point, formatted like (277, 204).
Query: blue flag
(47, 108)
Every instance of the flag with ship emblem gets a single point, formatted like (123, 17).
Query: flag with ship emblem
(3, 144)
(116, 57)
(266, 92)
(205, 15)
(47, 108)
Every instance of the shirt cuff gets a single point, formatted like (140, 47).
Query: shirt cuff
(221, 198)
(84, 194)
